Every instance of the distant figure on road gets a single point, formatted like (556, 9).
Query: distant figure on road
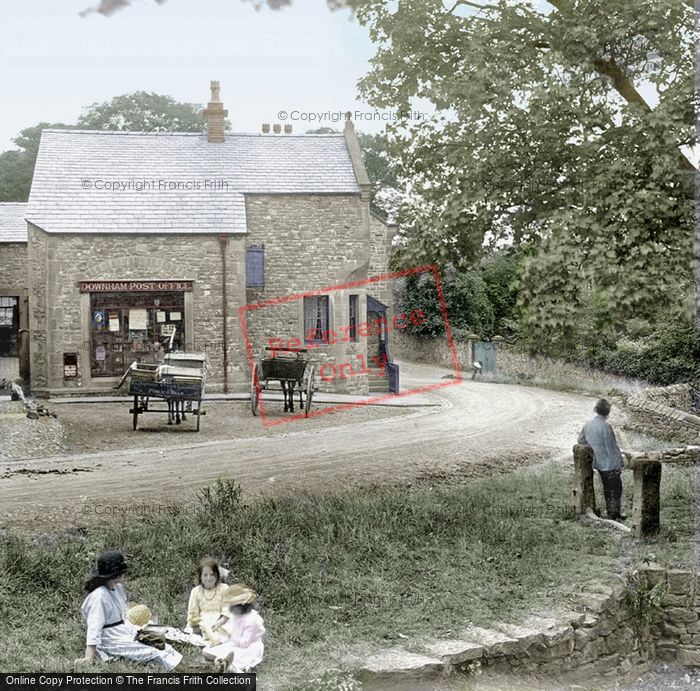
(607, 458)
(476, 369)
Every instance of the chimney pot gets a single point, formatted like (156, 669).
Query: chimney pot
(266, 127)
(349, 125)
(277, 128)
(287, 129)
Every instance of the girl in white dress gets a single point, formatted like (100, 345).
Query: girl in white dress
(104, 609)
(244, 650)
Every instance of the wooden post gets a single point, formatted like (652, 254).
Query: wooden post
(646, 506)
(583, 492)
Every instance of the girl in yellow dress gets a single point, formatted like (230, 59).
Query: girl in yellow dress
(206, 613)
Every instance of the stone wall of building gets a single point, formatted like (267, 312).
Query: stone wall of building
(665, 412)
(58, 262)
(381, 236)
(14, 276)
(13, 268)
(311, 242)
(610, 631)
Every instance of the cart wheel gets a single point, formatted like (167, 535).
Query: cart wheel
(136, 411)
(309, 390)
(255, 391)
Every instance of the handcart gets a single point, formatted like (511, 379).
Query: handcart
(293, 372)
(179, 381)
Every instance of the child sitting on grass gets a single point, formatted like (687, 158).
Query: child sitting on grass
(206, 613)
(104, 611)
(244, 650)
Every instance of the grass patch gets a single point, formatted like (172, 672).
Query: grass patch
(337, 574)
(559, 375)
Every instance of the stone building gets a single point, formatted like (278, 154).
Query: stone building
(138, 239)
(13, 276)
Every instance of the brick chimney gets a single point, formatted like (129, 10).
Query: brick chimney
(215, 115)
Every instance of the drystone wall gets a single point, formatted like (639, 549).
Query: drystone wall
(666, 413)
(613, 631)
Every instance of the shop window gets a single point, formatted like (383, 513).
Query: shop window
(134, 326)
(255, 267)
(315, 318)
(352, 322)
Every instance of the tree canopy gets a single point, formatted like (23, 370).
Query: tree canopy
(140, 111)
(17, 165)
(544, 140)
(143, 112)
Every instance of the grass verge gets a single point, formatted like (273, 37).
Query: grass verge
(340, 574)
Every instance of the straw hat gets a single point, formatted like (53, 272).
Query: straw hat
(239, 594)
(139, 615)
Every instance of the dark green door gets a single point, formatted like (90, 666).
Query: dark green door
(485, 353)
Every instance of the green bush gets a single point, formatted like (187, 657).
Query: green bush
(668, 356)
(468, 307)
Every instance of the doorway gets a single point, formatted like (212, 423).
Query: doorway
(9, 325)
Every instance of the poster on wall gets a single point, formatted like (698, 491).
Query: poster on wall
(175, 317)
(100, 354)
(98, 319)
(160, 316)
(114, 321)
(138, 320)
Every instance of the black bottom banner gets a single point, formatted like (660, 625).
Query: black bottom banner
(126, 681)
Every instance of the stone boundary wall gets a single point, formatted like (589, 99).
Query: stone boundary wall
(432, 351)
(683, 454)
(599, 636)
(664, 412)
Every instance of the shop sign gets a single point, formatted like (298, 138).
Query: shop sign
(135, 286)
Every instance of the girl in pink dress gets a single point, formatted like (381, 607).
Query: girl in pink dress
(244, 650)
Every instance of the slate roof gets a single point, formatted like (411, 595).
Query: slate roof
(13, 227)
(73, 168)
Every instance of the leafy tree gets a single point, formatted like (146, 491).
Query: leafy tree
(382, 174)
(108, 7)
(500, 273)
(143, 112)
(17, 166)
(546, 143)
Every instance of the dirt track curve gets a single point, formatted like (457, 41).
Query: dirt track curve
(477, 425)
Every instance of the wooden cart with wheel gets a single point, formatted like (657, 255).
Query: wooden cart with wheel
(179, 381)
(293, 372)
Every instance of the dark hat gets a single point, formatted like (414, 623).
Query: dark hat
(110, 564)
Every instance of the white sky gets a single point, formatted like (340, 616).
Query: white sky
(53, 63)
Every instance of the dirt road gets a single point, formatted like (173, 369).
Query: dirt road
(478, 426)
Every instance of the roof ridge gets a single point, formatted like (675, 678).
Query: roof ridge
(190, 134)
